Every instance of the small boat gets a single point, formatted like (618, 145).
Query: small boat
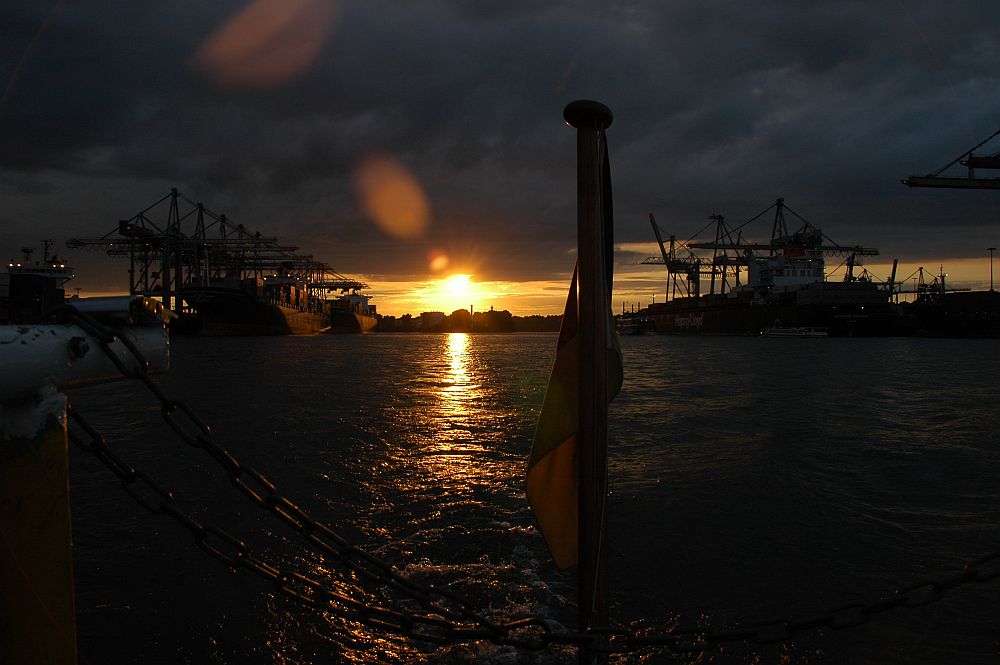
(626, 325)
(633, 324)
(777, 330)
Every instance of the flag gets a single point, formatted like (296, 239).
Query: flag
(553, 467)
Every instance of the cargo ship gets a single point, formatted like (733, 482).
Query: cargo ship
(277, 305)
(32, 291)
(256, 306)
(352, 313)
(938, 311)
(757, 286)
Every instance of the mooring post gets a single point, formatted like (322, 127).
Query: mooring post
(37, 616)
(590, 119)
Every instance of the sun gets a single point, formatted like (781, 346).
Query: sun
(457, 286)
(457, 290)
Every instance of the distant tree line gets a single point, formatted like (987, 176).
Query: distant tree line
(461, 320)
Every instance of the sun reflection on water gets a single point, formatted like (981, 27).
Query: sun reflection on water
(458, 389)
(451, 424)
(457, 406)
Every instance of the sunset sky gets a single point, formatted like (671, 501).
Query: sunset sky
(405, 143)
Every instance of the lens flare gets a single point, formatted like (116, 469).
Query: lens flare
(267, 44)
(391, 196)
(437, 260)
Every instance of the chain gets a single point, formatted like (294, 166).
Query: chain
(697, 639)
(447, 618)
(232, 551)
(307, 590)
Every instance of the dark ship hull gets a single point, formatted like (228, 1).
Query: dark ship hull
(25, 297)
(276, 306)
(346, 322)
(351, 313)
(235, 311)
(958, 314)
(849, 309)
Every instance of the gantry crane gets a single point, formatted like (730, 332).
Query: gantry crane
(195, 246)
(731, 255)
(689, 268)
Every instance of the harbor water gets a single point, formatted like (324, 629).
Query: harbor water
(751, 478)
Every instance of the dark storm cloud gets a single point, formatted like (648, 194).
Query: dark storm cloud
(719, 107)
(94, 76)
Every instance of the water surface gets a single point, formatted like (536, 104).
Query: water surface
(750, 477)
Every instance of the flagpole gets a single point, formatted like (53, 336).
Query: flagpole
(590, 118)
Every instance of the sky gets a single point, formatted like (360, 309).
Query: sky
(287, 114)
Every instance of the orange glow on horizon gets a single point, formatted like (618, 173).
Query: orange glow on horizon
(454, 292)
(635, 286)
(461, 291)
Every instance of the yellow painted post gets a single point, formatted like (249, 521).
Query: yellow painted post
(37, 615)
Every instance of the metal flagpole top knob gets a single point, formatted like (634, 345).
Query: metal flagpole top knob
(586, 113)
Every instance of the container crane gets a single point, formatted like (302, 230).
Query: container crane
(195, 246)
(732, 255)
(690, 268)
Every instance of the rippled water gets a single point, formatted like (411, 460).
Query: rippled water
(751, 478)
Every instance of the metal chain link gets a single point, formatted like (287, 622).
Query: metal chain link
(697, 639)
(456, 614)
(234, 552)
(439, 624)
(307, 590)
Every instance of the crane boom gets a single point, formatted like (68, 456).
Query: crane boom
(659, 239)
(857, 250)
(968, 159)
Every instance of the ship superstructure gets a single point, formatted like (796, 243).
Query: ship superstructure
(31, 287)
